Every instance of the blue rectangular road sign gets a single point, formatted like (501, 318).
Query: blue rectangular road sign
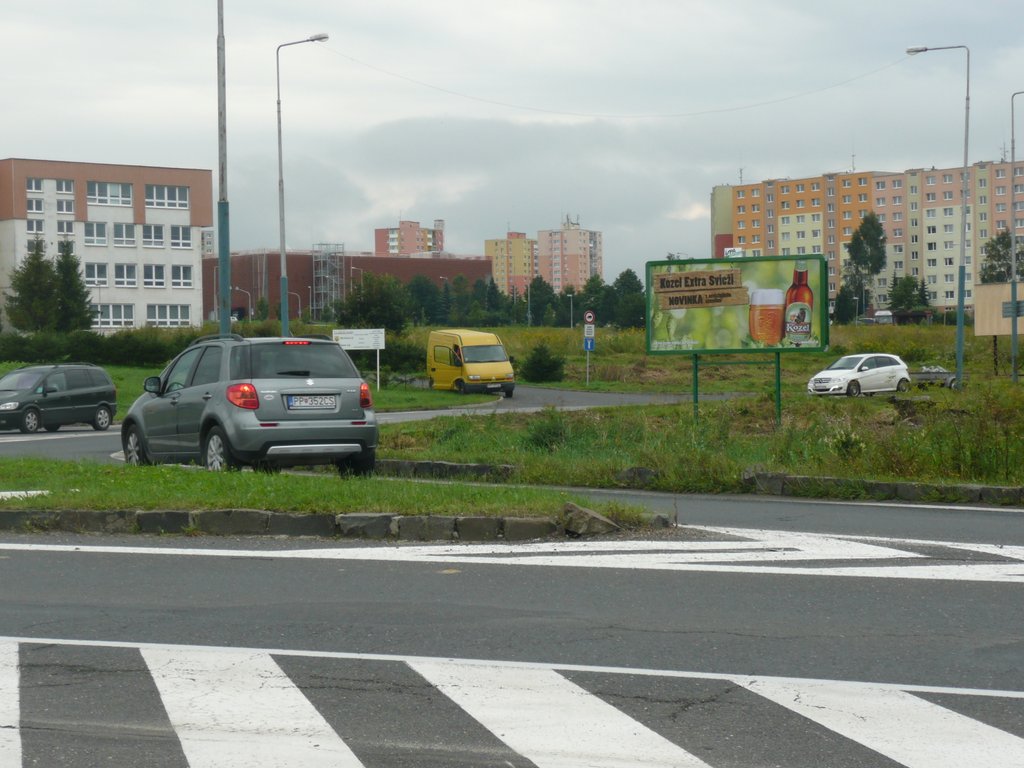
(588, 344)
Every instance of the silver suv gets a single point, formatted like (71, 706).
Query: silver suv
(228, 401)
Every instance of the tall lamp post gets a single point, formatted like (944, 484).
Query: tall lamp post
(249, 295)
(1013, 242)
(317, 38)
(961, 274)
(298, 299)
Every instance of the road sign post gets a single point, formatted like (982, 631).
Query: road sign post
(589, 337)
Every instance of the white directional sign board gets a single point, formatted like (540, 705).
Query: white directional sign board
(359, 338)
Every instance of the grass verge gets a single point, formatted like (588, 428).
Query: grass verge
(102, 487)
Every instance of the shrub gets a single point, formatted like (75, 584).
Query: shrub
(541, 365)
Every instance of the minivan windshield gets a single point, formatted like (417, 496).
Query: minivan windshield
(20, 380)
(847, 363)
(485, 353)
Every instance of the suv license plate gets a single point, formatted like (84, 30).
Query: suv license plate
(306, 402)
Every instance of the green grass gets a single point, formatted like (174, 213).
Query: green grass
(90, 486)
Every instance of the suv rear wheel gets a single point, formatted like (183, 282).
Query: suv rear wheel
(135, 452)
(359, 463)
(217, 454)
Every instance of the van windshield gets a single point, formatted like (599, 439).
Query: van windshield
(487, 353)
(17, 380)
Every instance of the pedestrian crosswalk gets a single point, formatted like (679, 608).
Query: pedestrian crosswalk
(74, 703)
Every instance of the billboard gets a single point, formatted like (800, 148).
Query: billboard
(747, 304)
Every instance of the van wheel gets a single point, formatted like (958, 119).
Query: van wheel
(430, 383)
(101, 419)
(853, 389)
(460, 386)
(30, 421)
(508, 392)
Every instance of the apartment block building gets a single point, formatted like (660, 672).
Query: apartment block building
(569, 256)
(920, 210)
(513, 262)
(138, 232)
(409, 239)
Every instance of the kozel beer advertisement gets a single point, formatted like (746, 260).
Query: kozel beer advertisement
(757, 304)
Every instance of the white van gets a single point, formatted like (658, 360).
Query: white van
(469, 361)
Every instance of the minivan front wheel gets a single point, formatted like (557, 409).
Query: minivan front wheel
(217, 454)
(853, 389)
(30, 421)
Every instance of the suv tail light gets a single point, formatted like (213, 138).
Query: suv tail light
(244, 396)
(365, 398)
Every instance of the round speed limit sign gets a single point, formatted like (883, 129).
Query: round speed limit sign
(588, 316)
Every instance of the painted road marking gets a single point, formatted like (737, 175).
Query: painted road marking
(736, 550)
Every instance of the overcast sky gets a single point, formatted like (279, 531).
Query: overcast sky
(508, 115)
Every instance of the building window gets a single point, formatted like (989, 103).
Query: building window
(124, 234)
(95, 274)
(34, 226)
(65, 186)
(109, 193)
(113, 315)
(66, 228)
(165, 196)
(153, 276)
(125, 276)
(167, 315)
(181, 236)
(95, 233)
(34, 205)
(65, 206)
(33, 185)
(181, 276)
(153, 235)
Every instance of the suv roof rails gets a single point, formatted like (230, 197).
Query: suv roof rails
(211, 337)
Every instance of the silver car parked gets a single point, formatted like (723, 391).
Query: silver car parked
(868, 373)
(228, 401)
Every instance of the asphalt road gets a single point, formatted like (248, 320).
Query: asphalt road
(716, 641)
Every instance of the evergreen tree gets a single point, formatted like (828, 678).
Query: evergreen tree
(30, 306)
(996, 267)
(866, 250)
(73, 297)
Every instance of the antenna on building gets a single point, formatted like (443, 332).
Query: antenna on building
(741, 175)
(853, 162)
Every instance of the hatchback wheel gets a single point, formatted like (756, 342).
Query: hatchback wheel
(134, 448)
(853, 389)
(217, 454)
(101, 419)
(30, 421)
(903, 386)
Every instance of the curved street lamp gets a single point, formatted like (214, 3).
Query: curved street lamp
(317, 38)
(961, 273)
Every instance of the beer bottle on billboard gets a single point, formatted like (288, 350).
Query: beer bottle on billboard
(799, 307)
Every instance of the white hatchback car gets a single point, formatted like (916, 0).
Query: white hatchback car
(855, 374)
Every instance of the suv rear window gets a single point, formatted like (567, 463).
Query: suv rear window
(281, 359)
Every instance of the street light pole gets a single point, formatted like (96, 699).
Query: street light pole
(249, 295)
(320, 37)
(961, 273)
(298, 298)
(1013, 242)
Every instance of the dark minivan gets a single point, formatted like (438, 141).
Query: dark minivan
(49, 396)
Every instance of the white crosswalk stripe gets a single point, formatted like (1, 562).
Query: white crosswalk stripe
(239, 709)
(10, 711)
(230, 708)
(551, 721)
